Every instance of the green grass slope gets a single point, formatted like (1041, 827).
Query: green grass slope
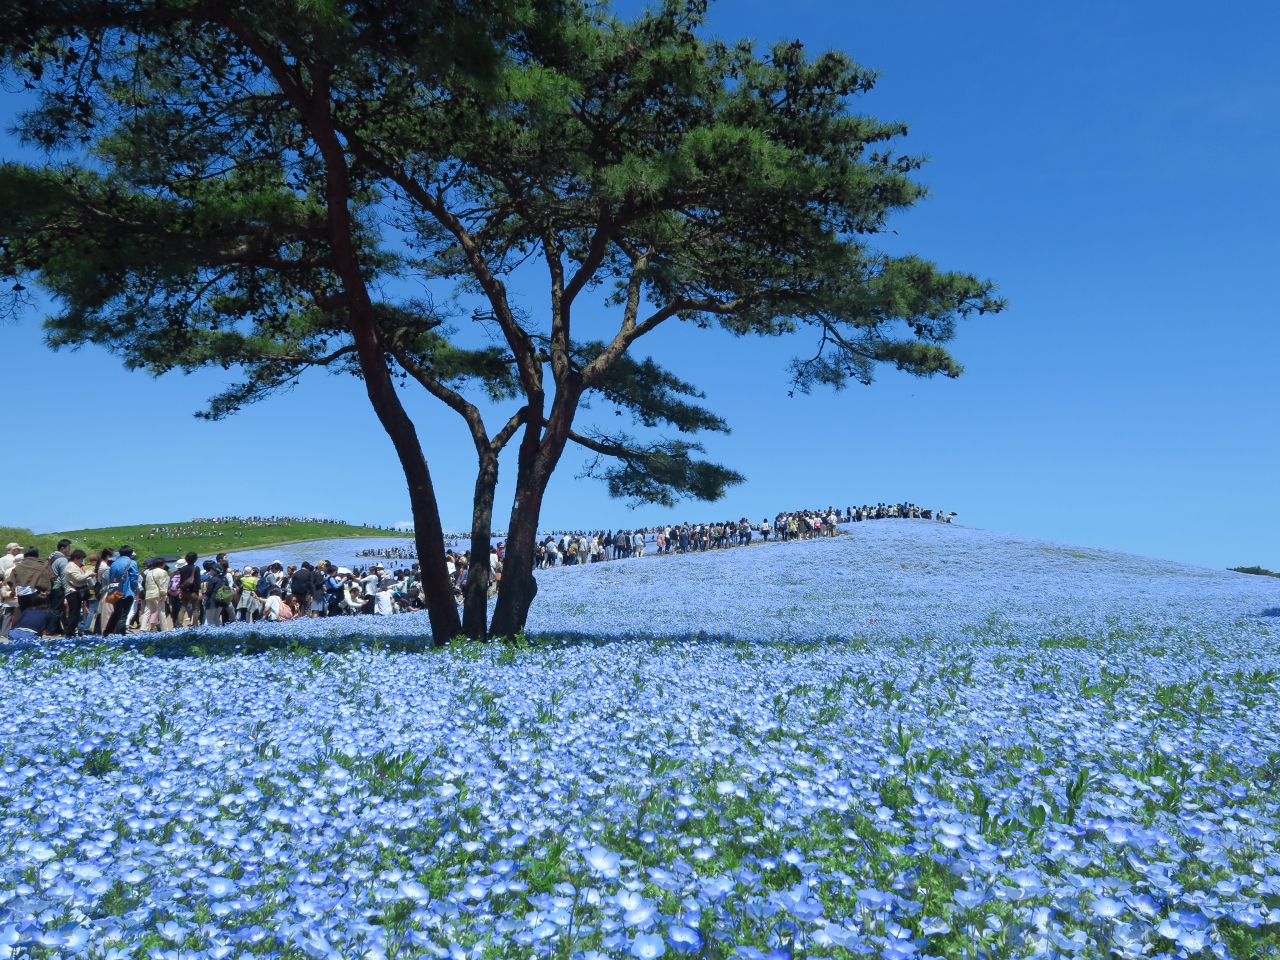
(204, 538)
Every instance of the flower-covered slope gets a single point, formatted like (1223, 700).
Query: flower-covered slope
(911, 577)
(1033, 751)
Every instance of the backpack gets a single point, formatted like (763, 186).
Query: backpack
(175, 584)
(115, 586)
(263, 589)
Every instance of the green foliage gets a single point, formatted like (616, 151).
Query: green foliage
(203, 538)
(100, 761)
(1258, 571)
(658, 473)
(20, 535)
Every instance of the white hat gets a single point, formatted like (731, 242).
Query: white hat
(13, 546)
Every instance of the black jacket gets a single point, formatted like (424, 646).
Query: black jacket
(301, 583)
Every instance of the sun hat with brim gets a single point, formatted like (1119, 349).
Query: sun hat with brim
(13, 546)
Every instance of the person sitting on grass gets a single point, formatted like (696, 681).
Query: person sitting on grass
(275, 607)
(33, 622)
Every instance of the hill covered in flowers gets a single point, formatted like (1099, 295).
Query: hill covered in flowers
(1034, 749)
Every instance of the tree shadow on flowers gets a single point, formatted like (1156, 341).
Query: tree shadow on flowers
(573, 639)
(221, 643)
(1272, 612)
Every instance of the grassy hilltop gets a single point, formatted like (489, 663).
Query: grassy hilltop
(177, 538)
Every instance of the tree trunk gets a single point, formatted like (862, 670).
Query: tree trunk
(519, 585)
(539, 454)
(437, 588)
(475, 615)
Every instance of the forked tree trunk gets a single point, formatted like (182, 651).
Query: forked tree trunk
(519, 585)
(539, 454)
(475, 597)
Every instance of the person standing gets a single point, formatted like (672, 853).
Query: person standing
(58, 592)
(123, 583)
(30, 578)
(8, 607)
(319, 600)
(217, 595)
(155, 587)
(249, 604)
(369, 582)
(300, 584)
(11, 554)
(189, 607)
(79, 589)
(101, 578)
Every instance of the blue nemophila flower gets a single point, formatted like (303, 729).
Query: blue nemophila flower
(602, 862)
(219, 887)
(647, 946)
(1108, 908)
(1052, 734)
(684, 939)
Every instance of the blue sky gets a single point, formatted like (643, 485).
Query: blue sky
(1113, 166)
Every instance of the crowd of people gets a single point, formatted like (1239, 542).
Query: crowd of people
(234, 526)
(111, 592)
(389, 553)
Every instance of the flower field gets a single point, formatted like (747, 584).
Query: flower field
(1032, 750)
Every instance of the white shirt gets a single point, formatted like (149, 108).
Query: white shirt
(6, 564)
(384, 604)
(273, 608)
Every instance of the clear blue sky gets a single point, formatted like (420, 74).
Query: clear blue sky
(1112, 165)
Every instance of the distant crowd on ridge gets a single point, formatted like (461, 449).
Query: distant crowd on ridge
(109, 592)
(194, 527)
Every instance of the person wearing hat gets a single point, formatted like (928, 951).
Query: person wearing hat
(31, 578)
(11, 554)
(173, 593)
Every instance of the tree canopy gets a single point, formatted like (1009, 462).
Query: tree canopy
(247, 183)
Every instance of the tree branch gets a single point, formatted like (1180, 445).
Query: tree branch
(451, 398)
(508, 431)
(595, 256)
(517, 337)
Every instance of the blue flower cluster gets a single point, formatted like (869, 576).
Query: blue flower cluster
(1033, 750)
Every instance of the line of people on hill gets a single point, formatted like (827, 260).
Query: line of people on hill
(266, 521)
(884, 511)
(576, 548)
